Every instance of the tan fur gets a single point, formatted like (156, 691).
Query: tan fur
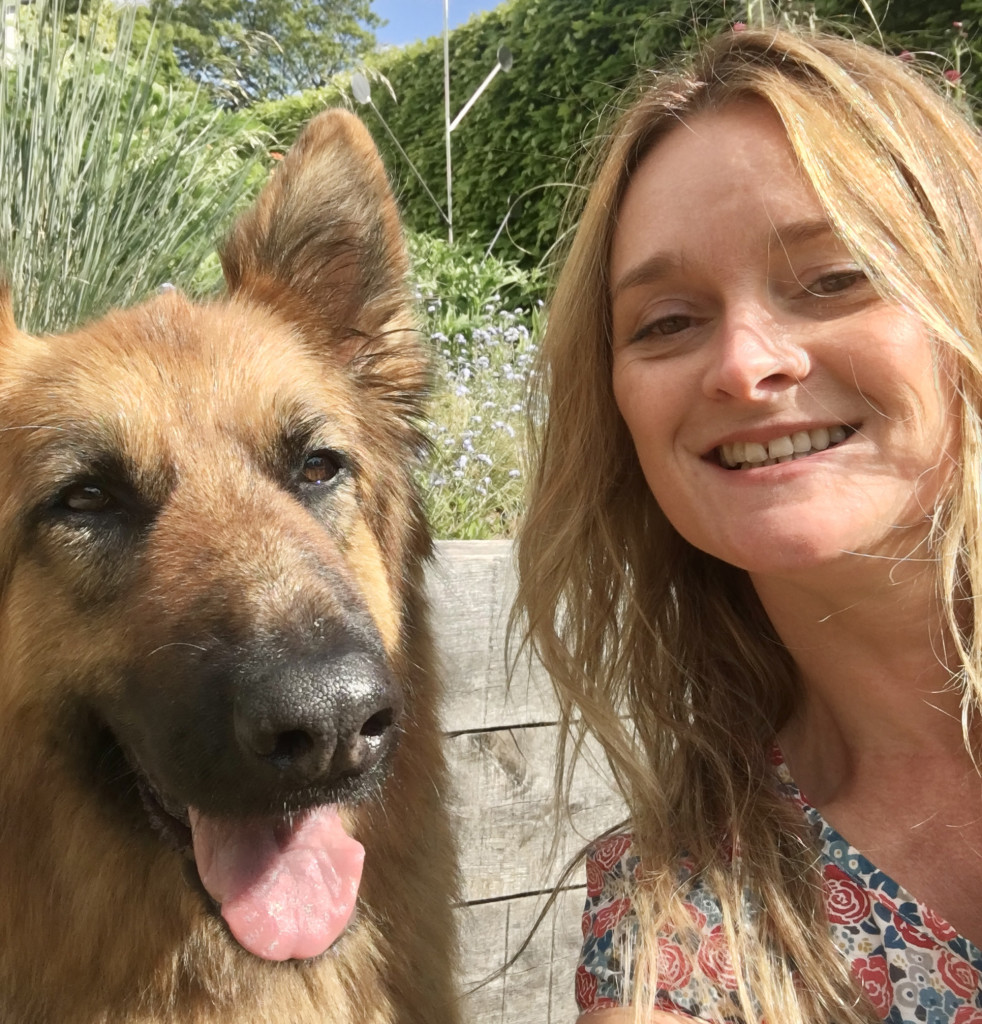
(98, 922)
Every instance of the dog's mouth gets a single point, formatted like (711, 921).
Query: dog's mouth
(286, 885)
(171, 823)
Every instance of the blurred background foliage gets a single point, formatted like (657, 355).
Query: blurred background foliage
(247, 50)
(237, 79)
(113, 183)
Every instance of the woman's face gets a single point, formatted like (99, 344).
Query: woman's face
(784, 415)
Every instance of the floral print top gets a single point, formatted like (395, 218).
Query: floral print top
(914, 966)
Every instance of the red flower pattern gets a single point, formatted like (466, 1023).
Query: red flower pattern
(846, 902)
(912, 935)
(714, 960)
(961, 977)
(611, 915)
(587, 998)
(937, 925)
(609, 852)
(886, 946)
(586, 988)
(698, 917)
(874, 976)
(594, 878)
(674, 966)
(831, 871)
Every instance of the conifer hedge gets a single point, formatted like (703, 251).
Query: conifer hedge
(517, 153)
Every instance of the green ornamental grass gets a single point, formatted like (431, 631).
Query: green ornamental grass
(113, 184)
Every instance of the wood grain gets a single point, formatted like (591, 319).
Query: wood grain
(501, 744)
(471, 584)
(538, 987)
(506, 813)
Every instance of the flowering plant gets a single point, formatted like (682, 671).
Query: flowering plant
(481, 315)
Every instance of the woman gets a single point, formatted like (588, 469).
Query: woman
(755, 538)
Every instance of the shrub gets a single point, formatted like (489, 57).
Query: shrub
(518, 151)
(459, 283)
(483, 346)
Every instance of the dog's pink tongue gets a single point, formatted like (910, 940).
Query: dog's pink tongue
(287, 889)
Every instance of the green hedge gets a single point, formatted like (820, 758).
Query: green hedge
(521, 143)
(519, 149)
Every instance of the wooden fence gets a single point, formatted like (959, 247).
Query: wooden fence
(501, 743)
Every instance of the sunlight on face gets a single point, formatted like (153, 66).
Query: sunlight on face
(784, 414)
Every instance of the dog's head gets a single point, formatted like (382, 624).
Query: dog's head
(209, 537)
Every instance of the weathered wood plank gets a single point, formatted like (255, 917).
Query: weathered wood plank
(505, 811)
(471, 585)
(538, 987)
(501, 746)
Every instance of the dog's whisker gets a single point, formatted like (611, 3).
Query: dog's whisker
(175, 643)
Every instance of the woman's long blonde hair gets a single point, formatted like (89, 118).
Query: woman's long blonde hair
(663, 652)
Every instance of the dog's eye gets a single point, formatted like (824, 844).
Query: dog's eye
(86, 498)
(322, 466)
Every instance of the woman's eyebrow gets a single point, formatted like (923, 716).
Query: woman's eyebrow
(648, 270)
(660, 265)
(801, 231)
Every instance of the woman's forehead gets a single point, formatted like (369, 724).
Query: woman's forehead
(743, 137)
(710, 176)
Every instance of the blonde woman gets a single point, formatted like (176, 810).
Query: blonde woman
(754, 542)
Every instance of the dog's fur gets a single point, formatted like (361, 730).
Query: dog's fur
(197, 499)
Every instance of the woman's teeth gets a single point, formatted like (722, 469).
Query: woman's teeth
(799, 445)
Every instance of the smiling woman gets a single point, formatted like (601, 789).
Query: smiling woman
(766, 340)
(753, 329)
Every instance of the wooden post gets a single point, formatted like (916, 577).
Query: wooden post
(501, 743)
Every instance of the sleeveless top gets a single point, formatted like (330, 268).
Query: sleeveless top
(914, 967)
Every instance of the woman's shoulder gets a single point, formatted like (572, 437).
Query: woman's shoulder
(903, 955)
(694, 969)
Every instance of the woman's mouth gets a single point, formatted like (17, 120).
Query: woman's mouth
(786, 448)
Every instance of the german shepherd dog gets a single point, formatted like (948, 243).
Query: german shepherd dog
(218, 695)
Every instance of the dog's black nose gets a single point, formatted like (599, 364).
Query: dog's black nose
(318, 720)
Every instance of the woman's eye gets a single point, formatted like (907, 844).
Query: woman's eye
(321, 467)
(664, 326)
(87, 498)
(840, 281)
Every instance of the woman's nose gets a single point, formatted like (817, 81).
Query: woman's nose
(754, 357)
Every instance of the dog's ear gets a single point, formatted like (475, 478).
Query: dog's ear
(323, 243)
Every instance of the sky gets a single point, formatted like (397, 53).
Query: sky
(409, 20)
